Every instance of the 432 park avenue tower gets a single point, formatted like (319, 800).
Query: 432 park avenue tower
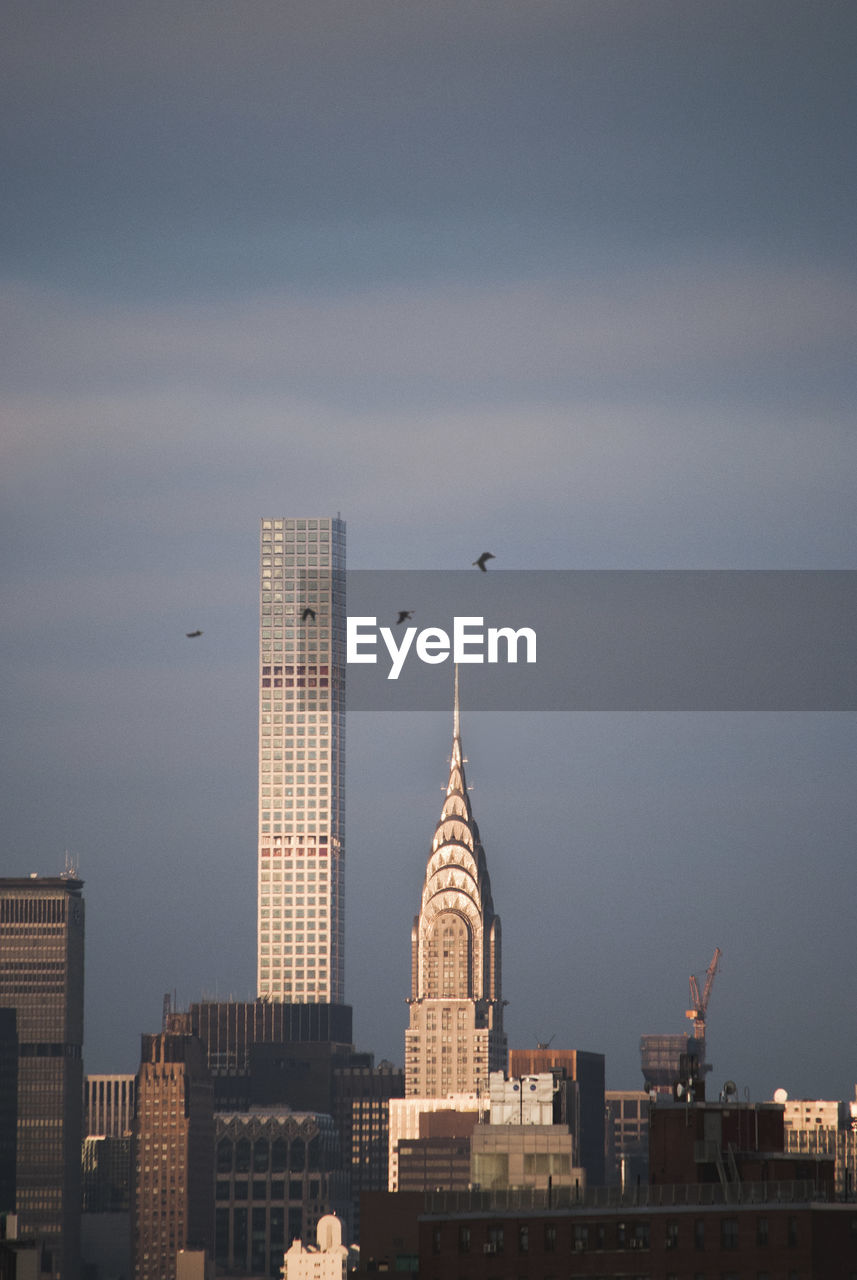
(301, 852)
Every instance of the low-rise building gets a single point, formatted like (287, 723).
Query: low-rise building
(652, 1231)
(328, 1261)
(826, 1128)
(440, 1156)
(405, 1116)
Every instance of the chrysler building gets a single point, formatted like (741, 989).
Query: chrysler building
(456, 1035)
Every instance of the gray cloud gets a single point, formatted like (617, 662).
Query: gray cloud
(674, 325)
(574, 281)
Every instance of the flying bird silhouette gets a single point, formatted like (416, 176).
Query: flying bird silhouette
(486, 555)
(308, 613)
(191, 635)
(403, 613)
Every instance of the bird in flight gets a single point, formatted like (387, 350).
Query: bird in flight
(191, 635)
(403, 613)
(486, 555)
(308, 614)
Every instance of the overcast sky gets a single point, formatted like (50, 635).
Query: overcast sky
(571, 281)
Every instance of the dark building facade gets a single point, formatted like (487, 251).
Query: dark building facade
(390, 1239)
(626, 1136)
(265, 1053)
(665, 1060)
(769, 1234)
(173, 1155)
(730, 1145)
(277, 1172)
(106, 1164)
(8, 1107)
(361, 1111)
(441, 1155)
(106, 1220)
(229, 1028)
(41, 978)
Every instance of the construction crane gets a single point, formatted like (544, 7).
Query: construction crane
(700, 1002)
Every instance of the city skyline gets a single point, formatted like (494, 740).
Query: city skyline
(573, 284)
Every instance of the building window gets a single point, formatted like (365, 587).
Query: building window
(495, 1240)
(463, 1239)
(699, 1234)
(729, 1233)
(523, 1239)
(672, 1235)
(640, 1235)
(581, 1236)
(762, 1232)
(435, 1239)
(550, 1238)
(792, 1232)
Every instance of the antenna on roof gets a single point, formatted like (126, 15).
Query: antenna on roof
(456, 714)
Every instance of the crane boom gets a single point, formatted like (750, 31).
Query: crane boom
(700, 1003)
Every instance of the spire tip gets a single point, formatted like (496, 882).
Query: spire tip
(456, 717)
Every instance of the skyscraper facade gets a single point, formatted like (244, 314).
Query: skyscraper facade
(108, 1105)
(173, 1155)
(455, 1038)
(301, 857)
(41, 978)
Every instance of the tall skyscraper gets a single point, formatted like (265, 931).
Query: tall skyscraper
(455, 1038)
(173, 1155)
(41, 978)
(301, 864)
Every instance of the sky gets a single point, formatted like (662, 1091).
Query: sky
(570, 281)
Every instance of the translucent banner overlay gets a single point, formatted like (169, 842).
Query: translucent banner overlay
(605, 640)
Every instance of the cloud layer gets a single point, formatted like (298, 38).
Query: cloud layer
(572, 281)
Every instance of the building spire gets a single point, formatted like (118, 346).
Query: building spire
(455, 954)
(456, 715)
